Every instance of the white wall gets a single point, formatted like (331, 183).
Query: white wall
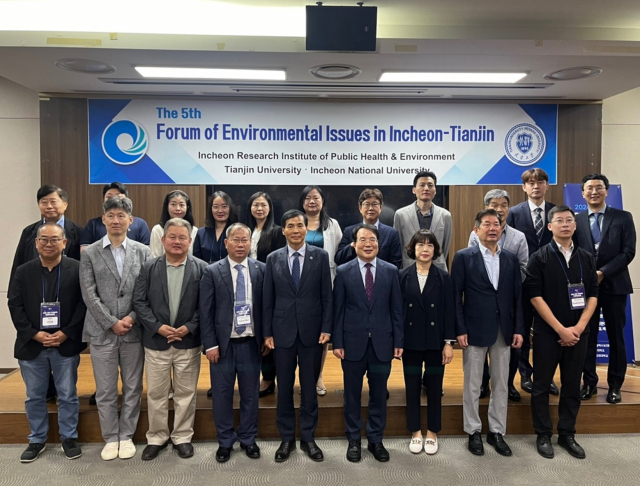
(621, 164)
(20, 172)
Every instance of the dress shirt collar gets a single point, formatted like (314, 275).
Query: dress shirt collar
(485, 251)
(291, 251)
(361, 263)
(600, 211)
(533, 207)
(183, 263)
(232, 264)
(60, 222)
(106, 242)
(430, 213)
(376, 224)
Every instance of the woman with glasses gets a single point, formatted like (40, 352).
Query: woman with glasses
(176, 204)
(221, 213)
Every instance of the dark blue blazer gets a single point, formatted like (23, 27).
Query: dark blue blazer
(217, 299)
(617, 248)
(354, 319)
(520, 218)
(306, 313)
(389, 248)
(480, 309)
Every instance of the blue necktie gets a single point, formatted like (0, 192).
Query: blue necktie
(295, 270)
(240, 288)
(595, 229)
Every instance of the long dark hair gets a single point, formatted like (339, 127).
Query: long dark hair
(324, 216)
(165, 207)
(210, 221)
(266, 236)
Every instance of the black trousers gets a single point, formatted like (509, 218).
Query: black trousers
(614, 309)
(513, 367)
(526, 370)
(547, 355)
(412, 362)
(268, 367)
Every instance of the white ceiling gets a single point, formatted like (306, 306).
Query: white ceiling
(536, 37)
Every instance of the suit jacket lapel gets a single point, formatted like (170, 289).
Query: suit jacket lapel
(309, 262)
(437, 216)
(481, 266)
(283, 258)
(161, 268)
(110, 261)
(504, 268)
(253, 275)
(430, 283)
(64, 273)
(225, 272)
(414, 285)
(188, 268)
(609, 214)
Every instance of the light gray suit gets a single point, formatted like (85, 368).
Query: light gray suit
(406, 223)
(109, 298)
(514, 241)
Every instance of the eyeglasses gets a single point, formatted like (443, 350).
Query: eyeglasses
(590, 190)
(564, 221)
(365, 240)
(368, 205)
(46, 241)
(237, 241)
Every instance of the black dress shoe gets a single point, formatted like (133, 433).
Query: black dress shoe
(223, 454)
(543, 444)
(252, 450)
(569, 443)
(267, 391)
(379, 452)
(514, 395)
(614, 396)
(282, 454)
(475, 444)
(588, 391)
(484, 391)
(526, 384)
(354, 452)
(312, 450)
(497, 441)
(151, 451)
(92, 399)
(185, 450)
(553, 389)
(209, 393)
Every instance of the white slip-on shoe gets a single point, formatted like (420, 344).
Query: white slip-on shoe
(415, 446)
(127, 449)
(431, 446)
(109, 451)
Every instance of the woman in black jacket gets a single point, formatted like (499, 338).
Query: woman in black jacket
(429, 333)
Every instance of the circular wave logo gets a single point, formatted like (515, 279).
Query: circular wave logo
(124, 142)
(525, 144)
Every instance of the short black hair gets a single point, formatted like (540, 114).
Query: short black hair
(115, 185)
(536, 174)
(368, 194)
(486, 212)
(560, 208)
(50, 189)
(424, 173)
(370, 227)
(423, 236)
(594, 177)
(293, 213)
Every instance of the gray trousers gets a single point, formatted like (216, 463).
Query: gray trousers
(108, 360)
(472, 364)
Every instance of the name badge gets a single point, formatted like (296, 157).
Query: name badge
(243, 317)
(577, 296)
(50, 315)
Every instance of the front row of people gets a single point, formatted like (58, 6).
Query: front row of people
(158, 312)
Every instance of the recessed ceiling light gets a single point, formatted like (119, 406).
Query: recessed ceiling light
(451, 77)
(335, 71)
(571, 74)
(86, 66)
(211, 73)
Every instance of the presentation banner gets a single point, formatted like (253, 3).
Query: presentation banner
(573, 198)
(291, 143)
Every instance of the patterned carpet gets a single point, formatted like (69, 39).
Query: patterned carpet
(610, 460)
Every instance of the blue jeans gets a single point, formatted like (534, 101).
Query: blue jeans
(35, 374)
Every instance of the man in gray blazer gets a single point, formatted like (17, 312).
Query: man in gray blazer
(423, 214)
(108, 271)
(165, 299)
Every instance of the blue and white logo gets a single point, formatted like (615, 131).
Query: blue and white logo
(124, 142)
(525, 144)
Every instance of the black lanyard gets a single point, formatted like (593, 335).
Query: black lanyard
(562, 266)
(58, 293)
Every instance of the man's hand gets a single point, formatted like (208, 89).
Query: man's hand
(447, 354)
(40, 336)
(178, 334)
(265, 350)
(128, 320)
(324, 338)
(213, 355)
(54, 340)
(397, 352)
(121, 328)
(517, 341)
(463, 341)
(339, 353)
(600, 277)
(165, 331)
(268, 342)
(568, 336)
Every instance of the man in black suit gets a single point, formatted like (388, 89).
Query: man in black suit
(488, 288)
(48, 313)
(370, 206)
(368, 333)
(231, 325)
(297, 320)
(530, 217)
(610, 235)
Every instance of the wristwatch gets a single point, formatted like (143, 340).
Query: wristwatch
(450, 342)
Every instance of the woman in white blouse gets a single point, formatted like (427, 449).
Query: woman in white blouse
(176, 205)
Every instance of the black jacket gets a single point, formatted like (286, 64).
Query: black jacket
(277, 241)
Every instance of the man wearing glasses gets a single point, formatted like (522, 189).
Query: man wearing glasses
(610, 235)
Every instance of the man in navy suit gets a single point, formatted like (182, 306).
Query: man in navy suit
(370, 206)
(610, 235)
(488, 288)
(368, 333)
(297, 320)
(531, 217)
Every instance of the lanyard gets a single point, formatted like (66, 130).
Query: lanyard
(58, 293)
(562, 266)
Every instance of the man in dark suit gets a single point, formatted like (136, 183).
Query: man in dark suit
(48, 312)
(165, 299)
(297, 320)
(610, 235)
(488, 289)
(231, 326)
(531, 217)
(368, 333)
(370, 206)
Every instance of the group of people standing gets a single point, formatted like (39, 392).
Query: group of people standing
(267, 298)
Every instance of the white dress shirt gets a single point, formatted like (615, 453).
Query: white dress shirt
(118, 253)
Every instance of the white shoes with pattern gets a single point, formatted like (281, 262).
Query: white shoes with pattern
(415, 446)
(109, 451)
(431, 446)
(127, 449)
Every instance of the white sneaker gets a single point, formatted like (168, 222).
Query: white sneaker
(127, 449)
(431, 446)
(415, 445)
(109, 451)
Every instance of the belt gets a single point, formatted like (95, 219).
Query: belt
(241, 340)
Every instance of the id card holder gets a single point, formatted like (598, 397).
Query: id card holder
(577, 298)
(49, 315)
(243, 317)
